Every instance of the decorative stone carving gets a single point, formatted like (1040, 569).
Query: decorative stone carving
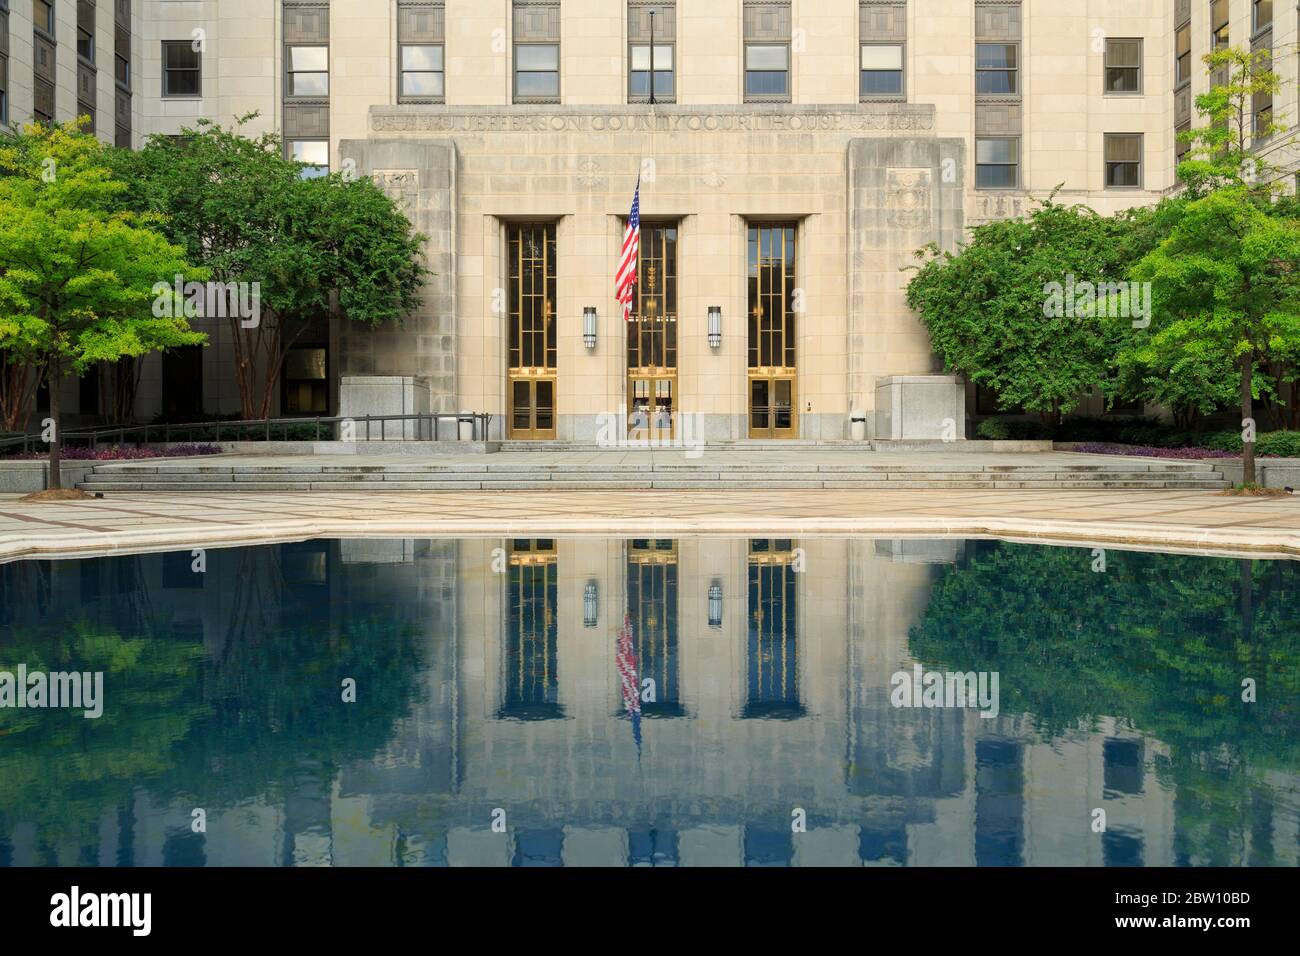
(400, 185)
(907, 197)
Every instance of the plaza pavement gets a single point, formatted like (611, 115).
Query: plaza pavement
(1165, 520)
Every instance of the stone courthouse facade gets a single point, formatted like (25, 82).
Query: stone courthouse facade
(792, 155)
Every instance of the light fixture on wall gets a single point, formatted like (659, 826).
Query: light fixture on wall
(589, 326)
(715, 326)
(590, 607)
(715, 604)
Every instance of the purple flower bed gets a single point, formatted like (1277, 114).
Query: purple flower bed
(118, 453)
(1146, 451)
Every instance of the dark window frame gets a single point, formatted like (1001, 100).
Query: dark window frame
(402, 95)
(1011, 72)
(660, 97)
(901, 95)
(325, 167)
(516, 96)
(783, 97)
(48, 29)
(197, 70)
(1138, 70)
(290, 72)
(1014, 164)
(1182, 60)
(1140, 163)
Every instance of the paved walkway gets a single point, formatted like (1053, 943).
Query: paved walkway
(1158, 520)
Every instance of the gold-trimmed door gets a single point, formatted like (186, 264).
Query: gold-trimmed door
(532, 382)
(772, 407)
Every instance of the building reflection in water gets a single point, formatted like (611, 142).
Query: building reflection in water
(530, 674)
(488, 681)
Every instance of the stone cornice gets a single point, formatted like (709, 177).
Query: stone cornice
(751, 118)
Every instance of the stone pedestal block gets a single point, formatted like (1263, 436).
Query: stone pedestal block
(362, 395)
(930, 407)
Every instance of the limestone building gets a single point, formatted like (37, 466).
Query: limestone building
(791, 154)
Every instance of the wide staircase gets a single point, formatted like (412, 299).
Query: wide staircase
(716, 471)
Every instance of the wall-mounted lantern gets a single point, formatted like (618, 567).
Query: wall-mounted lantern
(715, 604)
(715, 326)
(590, 607)
(589, 326)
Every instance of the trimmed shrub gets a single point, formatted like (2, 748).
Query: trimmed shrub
(1279, 444)
(1012, 429)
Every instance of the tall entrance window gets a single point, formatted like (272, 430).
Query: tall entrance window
(652, 337)
(772, 369)
(532, 376)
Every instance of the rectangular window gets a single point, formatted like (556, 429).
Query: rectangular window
(1123, 160)
(181, 68)
(308, 70)
(421, 51)
(537, 72)
(651, 24)
(422, 72)
(767, 31)
(882, 70)
(1263, 14)
(1182, 148)
(997, 163)
(1262, 107)
(639, 75)
(997, 68)
(1124, 66)
(1183, 54)
(43, 16)
(315, 154)
(86, 30)
(1219, 24)
(767, 70)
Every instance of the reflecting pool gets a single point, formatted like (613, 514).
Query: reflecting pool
(699, 701)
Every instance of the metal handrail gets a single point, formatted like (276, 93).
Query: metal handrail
(140, 434)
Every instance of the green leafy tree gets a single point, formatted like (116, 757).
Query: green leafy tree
(989, 312)
(77, 273)
(314, 246)
(1226, 277)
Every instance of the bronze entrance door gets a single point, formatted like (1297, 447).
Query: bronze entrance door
(532, 408)
(772, 407)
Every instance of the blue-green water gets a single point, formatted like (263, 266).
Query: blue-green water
(654, 702)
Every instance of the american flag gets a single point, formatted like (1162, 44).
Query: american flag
(625, 661)
(625, 281)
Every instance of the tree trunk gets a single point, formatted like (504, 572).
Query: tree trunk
(1247, 423)
(56, 438)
